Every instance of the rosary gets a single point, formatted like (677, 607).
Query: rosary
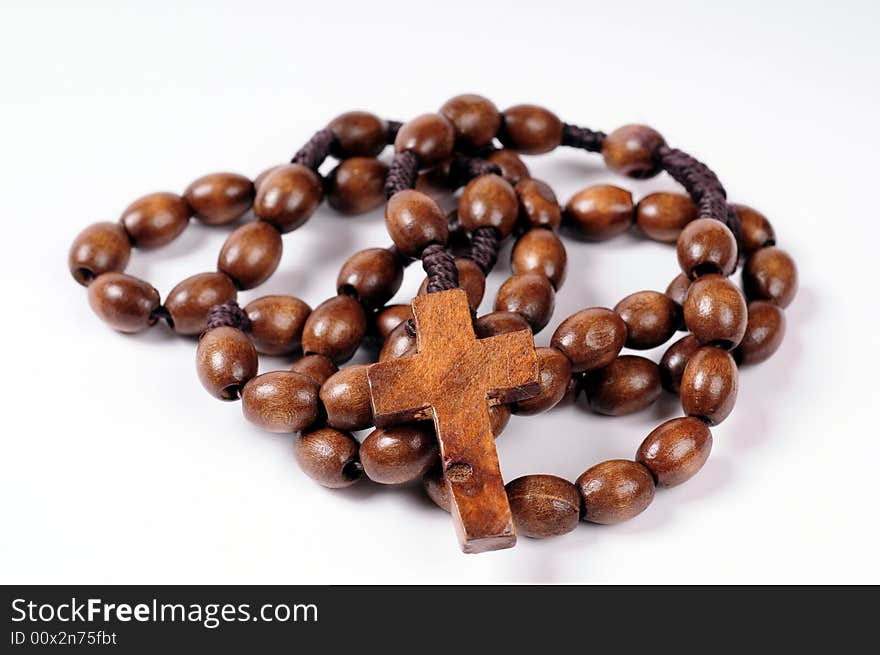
(446, 380)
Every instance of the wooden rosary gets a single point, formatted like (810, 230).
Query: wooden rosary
(447, 381)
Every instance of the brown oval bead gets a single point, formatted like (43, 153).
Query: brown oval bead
(259, 179)
(600, 212)
(662, 216)
(495, 323)
(615, 491)
(675, 359)
(715, 311)
(225, 360)
(288, 197)
(764, 333)
(709, 385)
(372, 276)
(755, 230)
(434, 483)
(358, 134)
(676, 450)
(628, 384)
(125, 303)
(317, 367)
(329, 457)
(540, 251)
(390, 317)
(398, 344)
(511, 164)
(555, 374)
(188, 303)
(346, 397)
(543, 505)
(476, 120)
(770, 274)
(470, 278)
(706, 246)
(651, 319)
(155, 219)
(530, 129)
(488, 200)
(678, 289)
(335, 328)
(251, 254)
(630, 150)
(531, 296)
(414, 221)
(357, 185)
(499, 416)
(281, 401)
(572, 391)
(591, 338)
(430, 136)
(220, 198)
(399, 454)
(538, 204)
(100, 248)
(277, 323)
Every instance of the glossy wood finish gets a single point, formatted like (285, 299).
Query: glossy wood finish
(538, 206)
(675, 359)
(225, 360)
(125, 303)
(259, 179)
(372, 276)
(100, 248)
(770, 274)
(399, 454)
(434, 483)
(430, 136)
(628, 384)
(335, 328)
(317, 367)
(414, 221)
(677, 291)
(540, 251)
(155, 220)
(358, 134)
(676, 450)
(630, 149)
(715, 311)
(277, 323)
(346, 398)
(591, 338)
(764, 333)
(614, 491)
(555, 374)
(220, 198)
(599, 212)
(188, 303)
(356, 185)
(651, 319)
(530, 129)
(709, 385)
(755, 230)
(544, 505)
(390, 317)
(531, 296)
(488, 200)
(288, 197)
(451, 380)
(470, 278)
(499, 416)
(662, 216)
(706, 246)
(512, 166)
(398, 344)
(329, 457)
(281, 401)
(476, 120)
(251, 254)
(494, 323)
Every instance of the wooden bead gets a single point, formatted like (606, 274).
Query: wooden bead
(372, 276)
(476, 120)
(600, 212)
(329, 457)
(676, 450)
(651, 319)
(251, 254)
(281, 401)
(678, 288)
(662, 216)
(591, 338)
(470, 278)
(543, 505)
(435, 485)
(398, 344)
(715, 312)
(709, 385)
(288, 197)
(628, 384)
(488, 200)
(755, 230)
(572, 391)
(615, 491)
(770, 274)
(125, 303)
(259, 179)
(531, 296)
(414, 221)
(512, 166)
(390, 317)
(155, 219)
(188, 303)
(357, 185)
(277, 323)
(675, 359)
(358, 134)
(335, 328)
(100, 248)
(499, 416)
(495, 323)
(764, 333)
(399, 454)
(530, 129)
(346, 397)
(225, 360)
(538, 205)
(317, 367)
(555, 372)
(630, 150)
(430, 136)
(220, 198)
(540, 251)
(706, 246)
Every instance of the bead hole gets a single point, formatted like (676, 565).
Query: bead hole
(84, 275)
(348, 290)
(724, 344)
(353, 470)
(231, 392)
(706, 268)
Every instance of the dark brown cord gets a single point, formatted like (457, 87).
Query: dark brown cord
(393, 129)
(402, 174)
(228, 315)
(582, 137)
(439, 264)
(315, 150)
(463, 169)
(162, 314)
(485, 242)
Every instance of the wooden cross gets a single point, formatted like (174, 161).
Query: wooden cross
(452, 379)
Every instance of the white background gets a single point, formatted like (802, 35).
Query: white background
(117, 466)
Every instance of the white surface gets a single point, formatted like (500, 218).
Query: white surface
(118, 467)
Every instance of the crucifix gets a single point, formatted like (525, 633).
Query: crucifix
(452, 380)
